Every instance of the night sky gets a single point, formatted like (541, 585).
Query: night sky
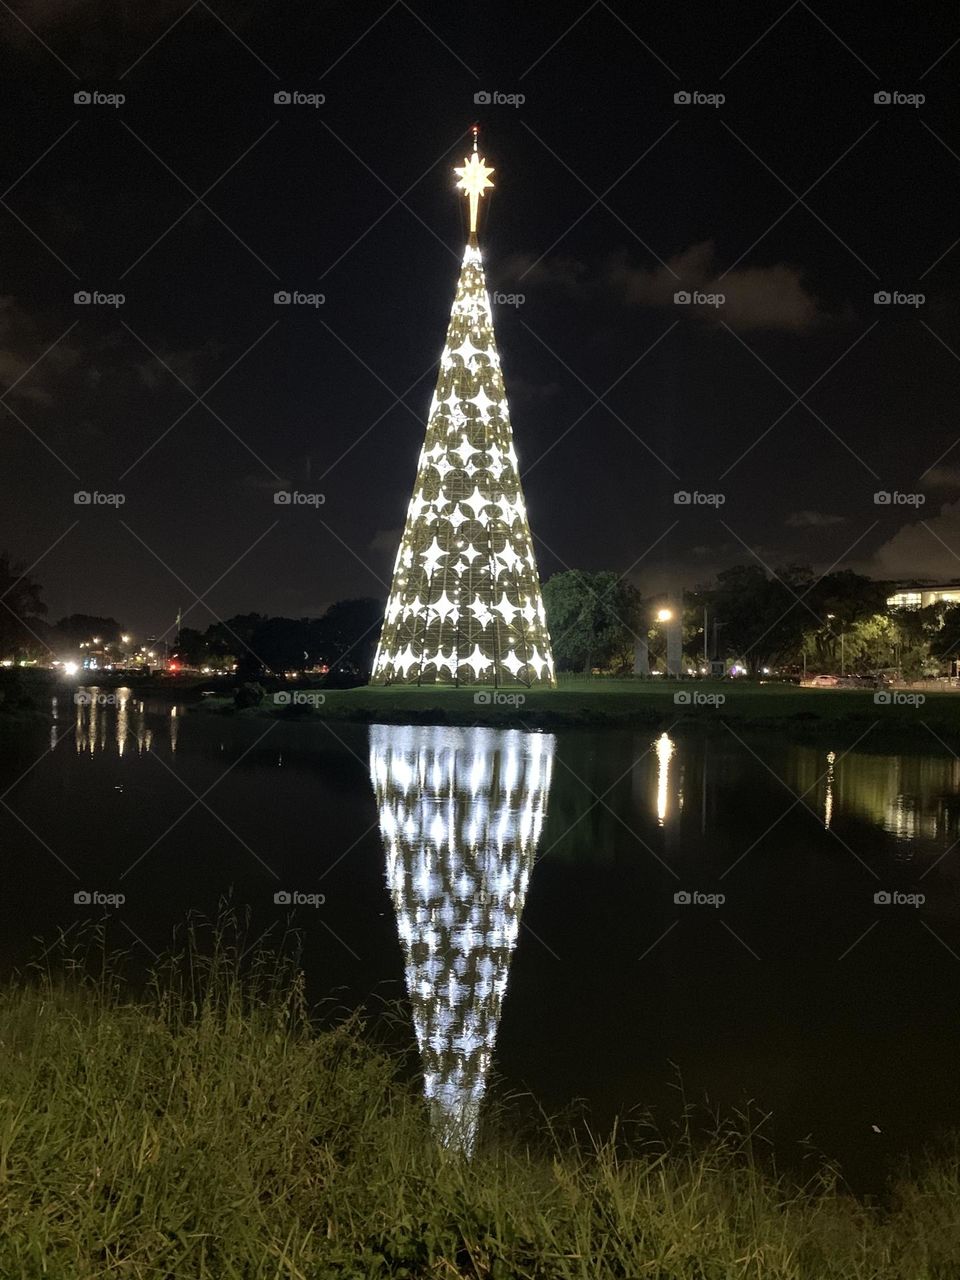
(798, 198)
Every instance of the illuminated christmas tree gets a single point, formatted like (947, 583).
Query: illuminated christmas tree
(465, 604)
(461, 813)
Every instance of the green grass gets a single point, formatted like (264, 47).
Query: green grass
(207, 1128)
(613, 703)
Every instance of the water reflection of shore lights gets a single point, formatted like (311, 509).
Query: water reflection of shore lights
(828, 796)
(461, 813)
(93, 709)
(123, 719)
(665, 748)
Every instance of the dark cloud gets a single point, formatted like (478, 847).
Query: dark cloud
(813, 520)
(189, 365)
(928, 547)
(386, 540)
(941, 478)
(22, 344)
(773, 297)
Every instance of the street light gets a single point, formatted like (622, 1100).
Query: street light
(830, 616)
(664, 615)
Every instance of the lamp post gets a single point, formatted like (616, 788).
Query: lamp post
(706, 656)
(663, 615)
(671, 627)
(843, 669)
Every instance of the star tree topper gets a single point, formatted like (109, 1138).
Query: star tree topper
(474, 180)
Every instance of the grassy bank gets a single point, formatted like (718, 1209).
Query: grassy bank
(625, 704)
(208, 1129)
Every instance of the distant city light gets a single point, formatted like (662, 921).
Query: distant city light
(71, 668)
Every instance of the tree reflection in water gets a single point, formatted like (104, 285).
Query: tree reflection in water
(461, 814)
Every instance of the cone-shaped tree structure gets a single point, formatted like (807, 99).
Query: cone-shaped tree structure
(465, 604)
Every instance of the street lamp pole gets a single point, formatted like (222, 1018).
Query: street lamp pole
(706, 658)
(664, 617)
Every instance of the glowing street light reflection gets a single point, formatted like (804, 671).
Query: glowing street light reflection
(665, 748)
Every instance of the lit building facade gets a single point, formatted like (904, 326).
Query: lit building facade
(917, 595)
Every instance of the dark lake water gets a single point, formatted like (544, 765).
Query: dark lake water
(579, 915)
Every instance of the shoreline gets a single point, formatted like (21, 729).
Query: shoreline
(927, 720)
(802, 713)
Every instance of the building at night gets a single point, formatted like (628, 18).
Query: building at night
(919, 594)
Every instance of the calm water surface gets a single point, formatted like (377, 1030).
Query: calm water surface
(580, 915)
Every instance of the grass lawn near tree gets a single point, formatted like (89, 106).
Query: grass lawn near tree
(624, 703)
